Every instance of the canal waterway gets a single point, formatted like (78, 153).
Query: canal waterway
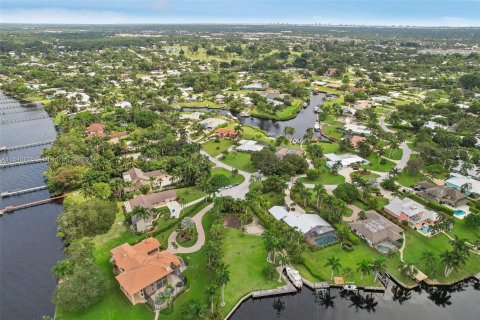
(305, 119)
(29, 247)
(458, 302)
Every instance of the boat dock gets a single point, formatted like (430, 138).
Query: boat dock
(23, 146)
(15, 193)
(25, 119)
(11, 209)
(286, 289)
(22, 163)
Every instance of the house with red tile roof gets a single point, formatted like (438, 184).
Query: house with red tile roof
(144, 272)
(355, 140)
(330, 72)
(96, 130)
(226, 133)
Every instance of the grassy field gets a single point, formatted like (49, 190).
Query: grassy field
(394, 154)
(246, 257)
(375, 165)
(234, 179)
(326, 177)
(408, 181)
(365, 177)
(327, 89)
(215, 148)
(462, 230)
(251, 133)
(330, 147)
(189, 194)
(239, 160)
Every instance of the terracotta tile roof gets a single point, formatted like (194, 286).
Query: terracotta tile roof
(120, 134)
(139, 268)
(224, 131)
(96, 128)
(356, 139)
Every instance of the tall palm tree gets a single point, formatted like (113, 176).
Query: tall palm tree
(460, 246)
(304, 195)
(289, 131)
(408, 270)
(211, 291)
(378, 265)
(452, 261)
(429, 259)
(334, 264)
(319, 191)
(364, 267)
(223, 277)
(282, 260)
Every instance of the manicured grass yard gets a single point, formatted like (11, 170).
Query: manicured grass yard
(463, 231)
(214, 148)
(238, 178)
(408, 181)
(286, 114)
(417, 244)
(394, 154)
(251, 133)
(246, 257)
(189, 194)
(239, 160)
(330, 147)
(376, 165)
(326, 177)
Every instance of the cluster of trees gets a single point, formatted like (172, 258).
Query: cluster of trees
(268, 163)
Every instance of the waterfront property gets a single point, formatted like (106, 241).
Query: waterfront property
(226, 133)
(212, 123)
(464, 184)
(441, 194)
(417, 216)
(137, 178)
(144, 272)
(378, 231)
(345, 160)
(250, 146)
(281, 152)
(317, 232)
(149, 201)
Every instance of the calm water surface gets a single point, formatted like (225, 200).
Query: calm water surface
(29, 247)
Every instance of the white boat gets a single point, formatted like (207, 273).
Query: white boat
(316, 109)
(350, 287)
(294, 276)
(244, 114)
(316, 127)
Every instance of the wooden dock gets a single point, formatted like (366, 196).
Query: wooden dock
(11, 209)
(23, 146)
(286, 289)
(18, 192)
(25, 119)
(22, 163)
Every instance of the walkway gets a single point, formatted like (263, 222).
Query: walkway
(201, 234)
(404, 243)
(355, 211)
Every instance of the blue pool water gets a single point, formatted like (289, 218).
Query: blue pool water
(425, 230)
(459, 212)
(323, 241)
(383, 249)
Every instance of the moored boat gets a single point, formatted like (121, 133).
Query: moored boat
(294, 276)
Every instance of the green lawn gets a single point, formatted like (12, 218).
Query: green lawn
(246, 257)
(408, 181)
(189, 194)
(327, 89)
(215, 148)
(314, 262)
(394, 154)
(375, 165)
(365, 177)
(330, 147)
(287, 113)
(234, 179)
(462, 230)
(326, 177)
(239, 160)
(417, 244)
(252, 133)
(199, 104)
(331, 131)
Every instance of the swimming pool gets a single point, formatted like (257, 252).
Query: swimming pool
(459, 212)
(425, 230)
(326, 240)
(383, 249)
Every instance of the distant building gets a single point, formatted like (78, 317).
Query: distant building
(249, 146)
(254, 87)
(144, 272)
(281, 152)
(330, 72)
(441, 194)
(355, 140)
(212, 123)
(357, 129)
(116, 136)
(96, 130)
(123, 105)
(317, 232)
(378, 231)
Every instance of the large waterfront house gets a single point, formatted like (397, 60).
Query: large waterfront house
(149, 201)
(144, 272)
(414, 213)
(96, 130)
(226, 133)
(317, 232)
(441, 194)
(137, 178)
(378, 231)
(464, 184)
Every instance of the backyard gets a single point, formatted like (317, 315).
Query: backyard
(215, 147)
(239, 160)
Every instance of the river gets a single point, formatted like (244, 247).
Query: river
(29, 247)
(459, 302)
(305, 119)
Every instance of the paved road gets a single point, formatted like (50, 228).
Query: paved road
(381, 122)
(201, 234)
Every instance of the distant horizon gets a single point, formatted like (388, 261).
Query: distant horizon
(424, 13)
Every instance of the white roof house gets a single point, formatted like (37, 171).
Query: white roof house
(357, 129)
(344, 159)
(191, 116)
(407, 209)
(249, 146)
(123, 104)
(303, 222)
(212, 123)
(459, 182)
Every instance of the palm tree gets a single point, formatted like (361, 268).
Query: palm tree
(393, 146)
(347, 270)
(289, 131)
(394, 172)
(223, 277)
(319, 191)
(304, 195)
(282, 260)
(334, 264)
(364, 267)
(378, 265)
(211, 291)
(408, 270)
(452, 261)
(460, 246)
(193, 310)
(429, 259)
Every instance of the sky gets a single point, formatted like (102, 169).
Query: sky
(455, 13)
